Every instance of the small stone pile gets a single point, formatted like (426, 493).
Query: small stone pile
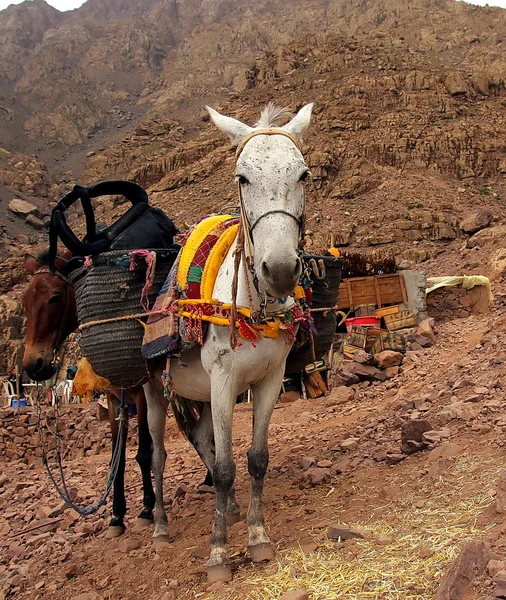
(388, 363)
(82, 432)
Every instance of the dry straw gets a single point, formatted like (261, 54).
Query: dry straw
(399, 570)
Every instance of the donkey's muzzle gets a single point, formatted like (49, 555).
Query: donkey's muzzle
(38, 369)
(281, 278)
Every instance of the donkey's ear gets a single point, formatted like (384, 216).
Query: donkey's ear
(31, 264)
(235, 130)
(300, 122)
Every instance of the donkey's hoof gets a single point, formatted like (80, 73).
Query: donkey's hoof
(141, 524)
(233, 518)
(219, 573)
(161, 541)
(114, 531)
(261, 552)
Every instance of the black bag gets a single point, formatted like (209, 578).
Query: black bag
(142, 226)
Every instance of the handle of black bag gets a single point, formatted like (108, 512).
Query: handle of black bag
(59, 226)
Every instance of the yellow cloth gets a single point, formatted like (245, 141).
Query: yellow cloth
(195, 239)
(87, 381)
(465, 281)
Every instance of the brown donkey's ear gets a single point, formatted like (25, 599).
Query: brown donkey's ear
(31, 264)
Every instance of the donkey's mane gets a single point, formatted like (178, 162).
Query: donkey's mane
(271, 115)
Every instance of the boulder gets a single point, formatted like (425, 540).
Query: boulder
(388, 358)
(478, 219)
(412, 439)
(22, 208)
(426, 331)
(35, 222)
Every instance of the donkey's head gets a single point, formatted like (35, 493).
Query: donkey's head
(271, 171)
(51, 315)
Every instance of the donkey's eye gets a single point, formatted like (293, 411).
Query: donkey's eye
(242, 180)
(304, 175)
(55, 299)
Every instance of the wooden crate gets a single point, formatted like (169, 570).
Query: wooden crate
(389, 340)
(380, 290)
(403, 320)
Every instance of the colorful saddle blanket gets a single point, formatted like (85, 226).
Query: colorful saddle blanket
(185, 303)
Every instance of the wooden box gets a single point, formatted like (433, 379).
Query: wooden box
(389, 340)
(402, 320)
(379, 290)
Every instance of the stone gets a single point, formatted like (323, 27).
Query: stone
(448, 450)
(495, 566)
(391, 372)
(295, 595)
(35, 222)
(425, 552)
(471, 562)
(317, 476)
(478, 219)
(73, 571)
(339, 395)
(291, 396)
(307, 461)
(364, 358)
(324, 464)
(363, 371)
(457, 410)
(350, 443)
(388, 358)
(412, 439)
(500, 497)
(425, 330)
(127, 545)
(343, 533)
(22, 208)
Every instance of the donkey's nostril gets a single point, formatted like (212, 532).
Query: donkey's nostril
(298, 269)
(265, 271)
(39, 364)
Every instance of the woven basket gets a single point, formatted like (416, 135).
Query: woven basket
(325, 292)
(109, 290)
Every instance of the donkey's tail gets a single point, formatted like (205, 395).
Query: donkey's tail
(187, 413)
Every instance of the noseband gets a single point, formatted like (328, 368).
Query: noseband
(240, 148)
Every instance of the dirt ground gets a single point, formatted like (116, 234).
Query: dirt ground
(416, 512)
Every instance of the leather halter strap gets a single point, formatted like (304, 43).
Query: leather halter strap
(240, 148)
(267, 131)
(56, 273)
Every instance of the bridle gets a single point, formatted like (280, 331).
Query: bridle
(60, 336)
(249, 227)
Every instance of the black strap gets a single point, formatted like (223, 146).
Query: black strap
(92, 246)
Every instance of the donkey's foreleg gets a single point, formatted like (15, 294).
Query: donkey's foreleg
(222, 405)
(157, 405)
(265, 395)
(201, 438)
(116, 524)
(143, 458)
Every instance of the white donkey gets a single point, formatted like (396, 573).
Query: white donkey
(270, 172)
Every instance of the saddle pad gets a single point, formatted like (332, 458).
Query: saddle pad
(192, 277)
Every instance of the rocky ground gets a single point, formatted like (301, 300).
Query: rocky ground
(344, 459)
